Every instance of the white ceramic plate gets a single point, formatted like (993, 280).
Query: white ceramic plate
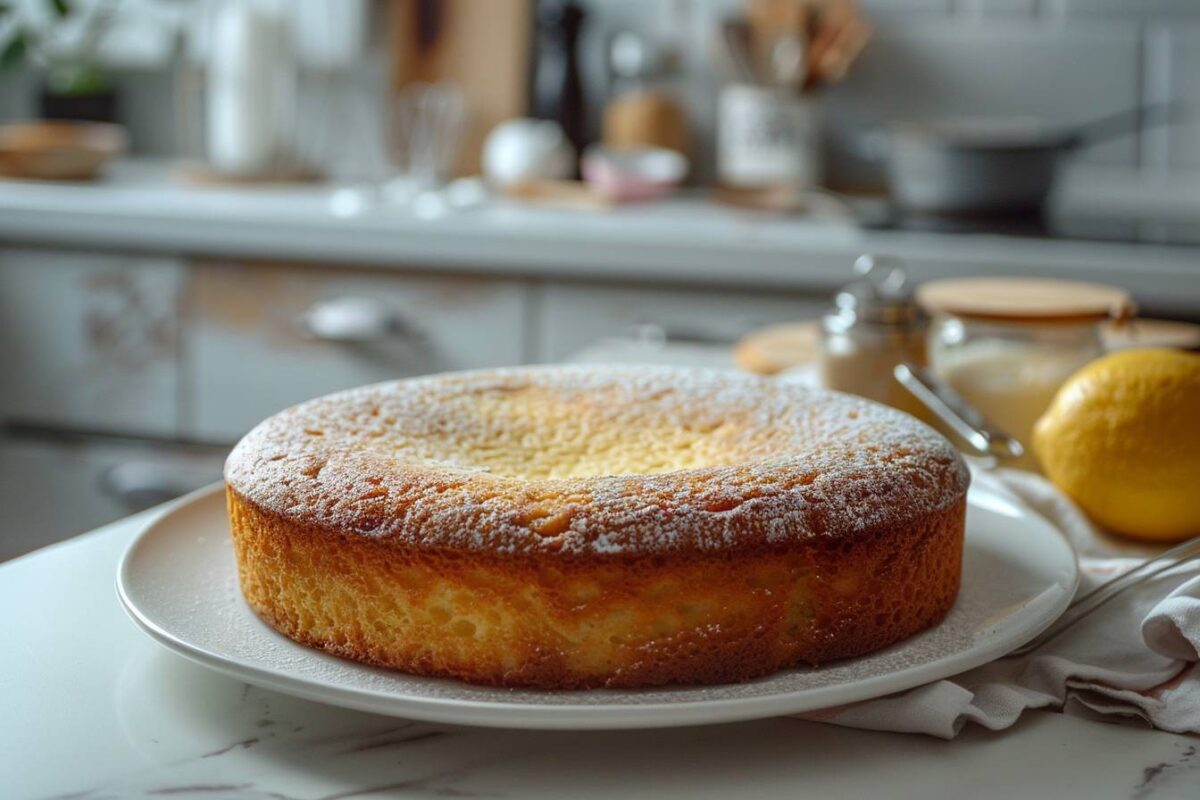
(178, 582)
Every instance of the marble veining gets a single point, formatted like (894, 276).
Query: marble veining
(280, 747)
(289, 731)
(121, 717)
(1185, 766)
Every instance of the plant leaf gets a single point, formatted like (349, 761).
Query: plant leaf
(14, 52)
(61, 7)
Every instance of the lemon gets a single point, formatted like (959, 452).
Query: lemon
(1122, 438)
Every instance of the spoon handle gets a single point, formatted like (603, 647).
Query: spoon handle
(956, 412)
(1086, 604)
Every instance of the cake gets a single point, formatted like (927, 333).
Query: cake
(580, 527)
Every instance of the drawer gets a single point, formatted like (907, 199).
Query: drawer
(90, 341)
(101, 480)
(264, 337)
(575, 316)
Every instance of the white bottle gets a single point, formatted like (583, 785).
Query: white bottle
(251, 88)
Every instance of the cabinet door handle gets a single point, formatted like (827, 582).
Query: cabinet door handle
(654, 335)
(351, 319)
(142, 484)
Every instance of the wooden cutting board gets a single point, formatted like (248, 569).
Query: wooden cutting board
(483, 47)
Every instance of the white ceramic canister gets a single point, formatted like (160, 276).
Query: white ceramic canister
(767, 137)
(251, 88)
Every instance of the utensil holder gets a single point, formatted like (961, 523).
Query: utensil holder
(767, 137)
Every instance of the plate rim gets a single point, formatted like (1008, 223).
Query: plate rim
(499, 713)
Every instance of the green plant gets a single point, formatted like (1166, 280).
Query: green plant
(71, 61)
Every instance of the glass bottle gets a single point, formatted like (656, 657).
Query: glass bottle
(874, 325)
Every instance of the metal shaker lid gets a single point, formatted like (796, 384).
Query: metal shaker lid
(881, 296)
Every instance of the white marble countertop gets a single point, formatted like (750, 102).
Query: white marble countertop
(142, 207)
(92, 709)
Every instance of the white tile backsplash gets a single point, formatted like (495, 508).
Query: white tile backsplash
(1003, 68)
(981, 9)
(1157, 81)
(1067, 61)
(1182, 59)
(1134, 9)
(906, 7)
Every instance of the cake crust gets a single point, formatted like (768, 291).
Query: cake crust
(793, 527)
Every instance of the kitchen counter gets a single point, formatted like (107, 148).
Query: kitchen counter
(95, 709)
(142, 206)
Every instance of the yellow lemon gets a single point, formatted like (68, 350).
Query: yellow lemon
(1122, 438)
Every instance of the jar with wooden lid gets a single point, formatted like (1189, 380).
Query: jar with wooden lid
(1007, 344)
(873, 326)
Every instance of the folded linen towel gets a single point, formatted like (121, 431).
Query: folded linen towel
(1136, 656)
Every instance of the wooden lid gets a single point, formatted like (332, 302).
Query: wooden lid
(1144, 332)
(1025, 299)
(773, 349)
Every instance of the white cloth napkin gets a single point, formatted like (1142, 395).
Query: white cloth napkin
(1136, 656)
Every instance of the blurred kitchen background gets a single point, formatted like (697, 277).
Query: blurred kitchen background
(299, 196)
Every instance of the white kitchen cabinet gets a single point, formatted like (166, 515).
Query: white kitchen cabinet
(55, 487)
(262, 337)
(90, 341)
(574, 316)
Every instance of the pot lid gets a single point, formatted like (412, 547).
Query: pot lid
(1025, 299)
(881, 297)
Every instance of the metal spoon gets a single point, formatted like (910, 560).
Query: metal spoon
(956, 412)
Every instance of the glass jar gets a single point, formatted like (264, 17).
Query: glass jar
(1007, 346)
(874, 326)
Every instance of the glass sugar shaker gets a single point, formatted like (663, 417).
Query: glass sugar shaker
(874, 325)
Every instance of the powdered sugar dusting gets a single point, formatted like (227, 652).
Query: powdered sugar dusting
(435, 461)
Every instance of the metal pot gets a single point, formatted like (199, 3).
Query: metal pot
(991, 165)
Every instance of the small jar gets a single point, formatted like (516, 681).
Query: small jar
(874, 326)
(1007, 345)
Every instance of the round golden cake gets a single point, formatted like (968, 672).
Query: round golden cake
(596, 526)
